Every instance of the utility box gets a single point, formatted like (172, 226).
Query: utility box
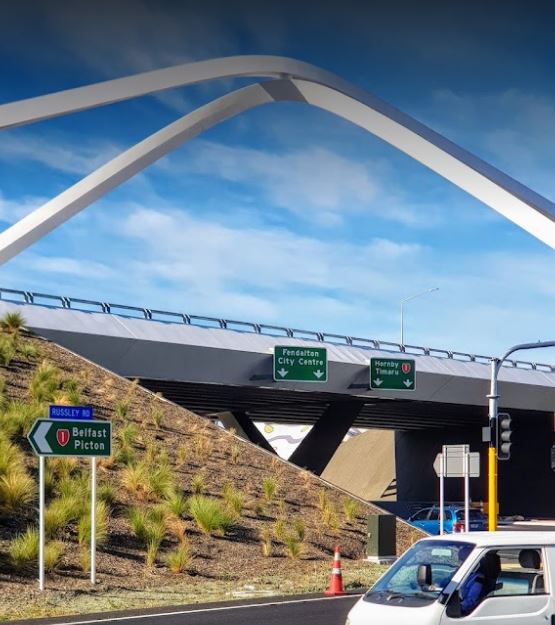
(381, 545)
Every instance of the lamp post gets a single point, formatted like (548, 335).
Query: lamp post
(408, 299)
(493, 401)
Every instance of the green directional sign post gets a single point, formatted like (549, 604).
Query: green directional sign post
(50, 437)
(300, 364)
(392, 374)
(74, 438)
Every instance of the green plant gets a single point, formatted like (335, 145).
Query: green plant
(329, 519)
(300, 529)
(63, 467)
(197, 483)
(176, 503)
(29, 351)
(156, 416)
(84, 525)
(235, 451)
(44, 382)
(7, 350)
(74, 486)
(126, 455)
(128, 434)
(209, 514)
(258, 507)
(106, 492)
(323, 501)
(176, 527)
(53, 554)
(11, 458)
(134, 479)
(18, 417)
(17, 490)
(160, 479)
(269, 487)
(350, 509)
(178, 559)
(182, 455)
(279, 529)
(12, 322)
(24, 549)
(138, 520)
(155, 532)
(233, 499)
(281, 507)
(61, 512)
(203, 445)
(122, 408)
(266, 541)
(293, 545)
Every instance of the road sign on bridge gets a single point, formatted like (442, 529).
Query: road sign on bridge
(392, 374)
(300, 364)
(71, 438)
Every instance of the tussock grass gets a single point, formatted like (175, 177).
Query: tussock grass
(160, 480)
(175, 503)
(156, 416)
(209, 515)
(128, 435)
(293, 545)
(134, 479)
(12, 323)
(29, 351)
(182, 455)
(323, 501)
(61, 512)
(235, 453)
(279, 530)
(266, 542)
(18, 417)
(8, 350)
(24, 549)
(17, 490)
(11, 458)
(106, 492)
(233, 499)
(178, 559)
(269, 488)
(350, 509)
(44, 382)
(84, 524)
(197, 484)
(300, 528)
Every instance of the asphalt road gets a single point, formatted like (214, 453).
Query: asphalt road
(286, 611)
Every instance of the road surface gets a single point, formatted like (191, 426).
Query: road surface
(309, 610)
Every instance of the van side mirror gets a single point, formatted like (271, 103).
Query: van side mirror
(424, 575)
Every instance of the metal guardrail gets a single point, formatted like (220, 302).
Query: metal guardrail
(122, 310)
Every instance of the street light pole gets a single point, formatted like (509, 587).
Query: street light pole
(408, 299)
(493, 402)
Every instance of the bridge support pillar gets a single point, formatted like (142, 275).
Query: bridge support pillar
(245, 428)
(319, 445)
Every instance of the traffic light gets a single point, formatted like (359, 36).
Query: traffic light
(503, 436)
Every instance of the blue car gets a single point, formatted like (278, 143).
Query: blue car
(427, 519)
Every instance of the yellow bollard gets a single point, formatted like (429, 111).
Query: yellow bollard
(492, 488)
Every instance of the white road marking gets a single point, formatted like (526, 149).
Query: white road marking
(199, 610)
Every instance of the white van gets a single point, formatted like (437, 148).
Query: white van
(491, 578)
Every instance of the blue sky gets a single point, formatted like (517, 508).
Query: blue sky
(287, 215)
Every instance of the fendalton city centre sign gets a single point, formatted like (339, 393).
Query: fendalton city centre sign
(300, 364)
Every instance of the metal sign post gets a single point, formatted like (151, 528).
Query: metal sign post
(41, 523)
(467, 489)
(93, 520)
(442, 491)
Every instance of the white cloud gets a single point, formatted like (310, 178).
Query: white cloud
(14, 210)
(75, 157)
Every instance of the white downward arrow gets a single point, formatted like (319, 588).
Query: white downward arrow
(407, 383)
(377, 382)
(40, 438)
(283, 372)
(318, 373)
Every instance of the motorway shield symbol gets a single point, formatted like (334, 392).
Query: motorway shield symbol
(406, 367)
(62, 436)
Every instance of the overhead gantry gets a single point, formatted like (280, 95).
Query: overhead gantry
(292, 80)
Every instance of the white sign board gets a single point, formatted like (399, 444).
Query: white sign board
(454, 462)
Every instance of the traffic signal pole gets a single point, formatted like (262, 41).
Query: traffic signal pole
(493, 400)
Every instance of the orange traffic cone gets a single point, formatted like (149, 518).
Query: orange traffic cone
(336, 580)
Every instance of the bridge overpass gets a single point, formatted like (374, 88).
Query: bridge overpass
(214, 366)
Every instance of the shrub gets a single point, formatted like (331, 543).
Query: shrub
(300, 529)
(160, 479)
(235, 451)
(29, 351)
(138, 519)
(155, 532)
(197, 483)
(61, 512)
(7, 350)
(84, 524)
(53, 554)
(106, 492)
(209, 514)
(269, 487)
(135, 480)
(75, 486)
(182, 454)
(63, 467)
(11, 458)
(126, 455)
(350, 509)
(24, 549)
(17, 490)
(12, 322)
(279, 530)
(323, 501)
(176, 526)
(18, 418)
(178, 559)
(293, 545)
(266, 541)
(122, 408)
(329, 519)
(44, 382)
(128, 434)
(233, 499)
(176, 504)
(156, 416)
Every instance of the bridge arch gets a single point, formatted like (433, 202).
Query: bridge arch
(292, 81)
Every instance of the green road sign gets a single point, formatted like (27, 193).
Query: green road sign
(392, 374)
(300, 364)
(49, 437)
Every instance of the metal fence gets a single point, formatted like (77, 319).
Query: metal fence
(152, 314)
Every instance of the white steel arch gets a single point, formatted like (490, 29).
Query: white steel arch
(295, 81)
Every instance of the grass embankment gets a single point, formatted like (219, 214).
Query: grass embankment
(186, 511)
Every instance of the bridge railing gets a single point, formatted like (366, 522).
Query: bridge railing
(136, 312)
